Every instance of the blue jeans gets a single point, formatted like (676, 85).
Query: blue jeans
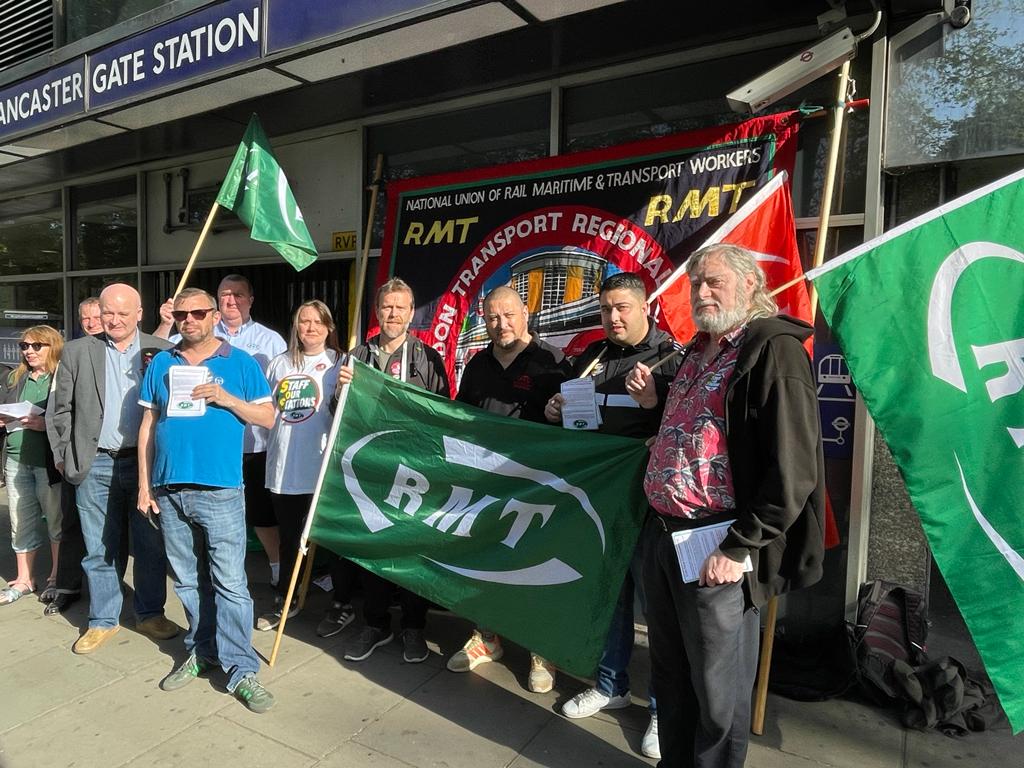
(205, 536)
(30, 498)
(106, 501)
(613, 669)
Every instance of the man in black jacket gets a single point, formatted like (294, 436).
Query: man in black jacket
(631, 337)
(403, 356)
(739, 447)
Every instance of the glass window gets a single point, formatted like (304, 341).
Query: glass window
(91, 285)
(84, 17)
(955, 93)
(105, 221)
(33, 295)
(493, 134)
(31, 235)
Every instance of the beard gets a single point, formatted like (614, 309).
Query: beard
(722, 321)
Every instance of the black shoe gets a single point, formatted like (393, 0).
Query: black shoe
(61, 603)
(336, 618)
(369, 640)
(415, 647)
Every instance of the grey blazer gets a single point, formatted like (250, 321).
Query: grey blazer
(74, 413)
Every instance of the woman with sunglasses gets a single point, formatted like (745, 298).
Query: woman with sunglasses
(33, 483)
(303, 380)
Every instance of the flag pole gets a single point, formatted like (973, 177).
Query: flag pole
(772, 614)
(353, 336)
(309, 521)
(195, 251)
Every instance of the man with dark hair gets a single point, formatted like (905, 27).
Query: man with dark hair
(740, 447)
(190, 479)
(93, 428)
(514, 376)
(631, 337)
(404, 357)
(235, 299)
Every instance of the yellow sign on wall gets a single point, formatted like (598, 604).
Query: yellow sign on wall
(343, 241)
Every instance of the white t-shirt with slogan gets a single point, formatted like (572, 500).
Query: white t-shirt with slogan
(298, 439)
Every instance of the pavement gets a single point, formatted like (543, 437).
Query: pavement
(105, 709)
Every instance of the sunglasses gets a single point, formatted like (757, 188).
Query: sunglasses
(179, 315)
(35, 345)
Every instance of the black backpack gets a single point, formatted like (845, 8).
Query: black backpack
(892, 626)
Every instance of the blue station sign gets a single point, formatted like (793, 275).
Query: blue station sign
(43, 100)
(199, 44)
(293, 22)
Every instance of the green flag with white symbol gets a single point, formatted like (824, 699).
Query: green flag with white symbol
(526, 529)
(257, 190)
(931, 320)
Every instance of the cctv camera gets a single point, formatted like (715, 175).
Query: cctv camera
(960, 14)
(794, 73)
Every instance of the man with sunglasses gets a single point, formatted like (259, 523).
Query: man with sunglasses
(93, 427)
(235, 299)
(190, 479)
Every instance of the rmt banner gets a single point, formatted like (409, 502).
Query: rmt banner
(554, 229)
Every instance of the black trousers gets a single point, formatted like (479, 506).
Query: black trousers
(703, 660)
(291, 511)
(377, 592)
(72, 545)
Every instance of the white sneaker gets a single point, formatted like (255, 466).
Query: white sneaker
(649, 746)
(475, 652)
(592, 701)
(542, 674)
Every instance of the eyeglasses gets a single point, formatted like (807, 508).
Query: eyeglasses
(179, 315)
(35, 345)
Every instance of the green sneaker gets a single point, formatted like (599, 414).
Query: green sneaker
(250, 691)
(185, 674)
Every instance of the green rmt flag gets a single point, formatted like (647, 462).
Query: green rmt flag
(256, 189)
(524, 528)
(931, 321)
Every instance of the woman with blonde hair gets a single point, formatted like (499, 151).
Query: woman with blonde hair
(303, 380)
(33, 483)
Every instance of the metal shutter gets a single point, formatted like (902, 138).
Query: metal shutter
(26, 30)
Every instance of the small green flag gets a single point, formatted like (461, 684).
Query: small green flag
(256, 189)
(929, 318)
(524, 528)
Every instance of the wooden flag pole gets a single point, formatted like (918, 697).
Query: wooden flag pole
(353, 337)
(772, 614)
(195, 251)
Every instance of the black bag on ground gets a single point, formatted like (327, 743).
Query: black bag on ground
(891, 626)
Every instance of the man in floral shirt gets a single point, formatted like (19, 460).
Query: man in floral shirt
(739, 445)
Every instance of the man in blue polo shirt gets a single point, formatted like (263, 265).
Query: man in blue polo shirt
(190, 478)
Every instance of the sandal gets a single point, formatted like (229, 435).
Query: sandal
(49, 594)
(14, 593)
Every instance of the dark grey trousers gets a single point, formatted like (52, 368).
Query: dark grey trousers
(703, 660)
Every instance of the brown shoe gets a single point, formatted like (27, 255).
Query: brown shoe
(93, 639)
(157, 628)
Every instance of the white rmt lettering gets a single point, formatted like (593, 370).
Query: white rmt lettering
(458, 510)
(408, 483)
(524, 516)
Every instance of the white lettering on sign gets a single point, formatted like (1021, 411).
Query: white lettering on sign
(42, 99)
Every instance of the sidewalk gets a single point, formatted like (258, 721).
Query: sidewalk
(105, 709)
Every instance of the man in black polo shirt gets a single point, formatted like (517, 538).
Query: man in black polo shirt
(514, 376)
(631, 337)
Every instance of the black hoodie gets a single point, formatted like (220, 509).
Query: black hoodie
(775, 454)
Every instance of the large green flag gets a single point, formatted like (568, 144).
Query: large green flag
(930, 318)
(256, 189)
(527, 529)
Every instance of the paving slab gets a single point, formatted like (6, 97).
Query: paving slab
(564, 743)
(216, 743)
(353, 755)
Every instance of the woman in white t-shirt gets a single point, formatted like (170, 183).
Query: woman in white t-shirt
(303, 380)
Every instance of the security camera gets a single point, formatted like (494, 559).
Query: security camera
(794, 73)
(960, 14)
